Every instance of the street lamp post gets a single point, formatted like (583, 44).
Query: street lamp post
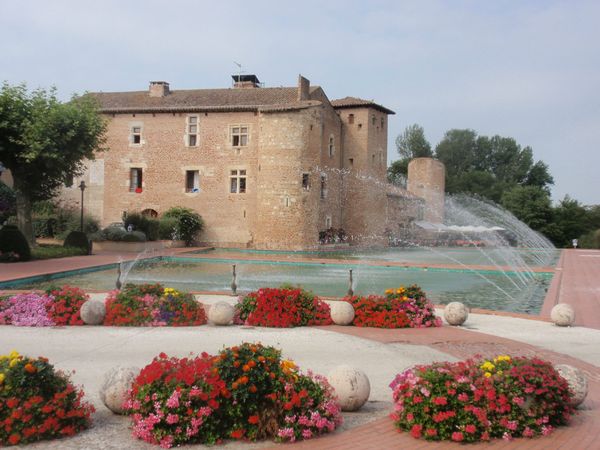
(82, 187)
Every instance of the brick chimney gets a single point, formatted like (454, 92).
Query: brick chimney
(159, 89)
(303, 88)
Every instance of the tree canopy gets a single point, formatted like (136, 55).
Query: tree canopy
(499, 169)
(43, 142)
(410, 144)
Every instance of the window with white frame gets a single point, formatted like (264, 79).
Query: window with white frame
(239, 135)
(192, 181)
(237, 181)
(135, 179)
(136, 135)
(192, 131)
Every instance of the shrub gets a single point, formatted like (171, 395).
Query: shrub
(282, 308)
(37, 402)
(118, 235)
(49, 251)
(400, 308)
(78, 239)
(66, 305)
(480, 400)
(58, 219)
(153, 305)
(27, 310)
(167, 228)
(189, 223)
(147, 225)
(13, 245)
(246, 392)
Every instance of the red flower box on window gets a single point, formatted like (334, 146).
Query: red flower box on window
(138, 190)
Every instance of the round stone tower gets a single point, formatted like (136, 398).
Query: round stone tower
(427, 179)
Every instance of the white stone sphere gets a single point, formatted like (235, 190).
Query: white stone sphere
(456, 313)
(117, 382)
(93, 312)
(351, 386)
(577, 382)
(221, 313)
(563, 315)
(342, 313)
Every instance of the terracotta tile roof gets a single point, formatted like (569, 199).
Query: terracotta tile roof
(355, 102)
(263, 99)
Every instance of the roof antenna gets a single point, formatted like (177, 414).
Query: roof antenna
(240, 71)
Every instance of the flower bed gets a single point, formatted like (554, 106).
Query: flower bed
(58, 306)
(246, 392)
(152, 305)
(282, 308)
(37, 402)
(481, 400)
(400, 308)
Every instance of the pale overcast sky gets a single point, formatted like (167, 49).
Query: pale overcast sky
(525, 69)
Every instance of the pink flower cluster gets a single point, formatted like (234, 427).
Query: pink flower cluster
(27, 310)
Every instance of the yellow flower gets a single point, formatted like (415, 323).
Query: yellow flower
(389, 291)
(503, 358)
(13, 354)
(487, 366)
(13, 363)
(2, 377)
(500, 372)
(487, 374)
(288, 366)
(405, 298)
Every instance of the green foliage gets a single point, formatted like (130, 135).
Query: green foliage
(488, 166)
(167, 228)
(147, 225)
(590, 240)
(80, 240)
(410, 144)
(118, 235)
(13, 245)
(57, 219)
(8, 202)
(47, 251)
(531, 204)
(189, 223)
(570, 221)
(43, 142)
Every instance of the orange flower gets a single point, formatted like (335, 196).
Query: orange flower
(251, 363)
(30, 368)
(234, 385)
(261, 358)
(236, 364)
(252, 389)
(244, 380)
(272, 375)
(246, 368)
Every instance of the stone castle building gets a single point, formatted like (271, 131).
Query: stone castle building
(266, 168)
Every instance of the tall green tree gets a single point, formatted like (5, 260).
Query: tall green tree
(43, 142)
(489, 166)
(410, 144)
